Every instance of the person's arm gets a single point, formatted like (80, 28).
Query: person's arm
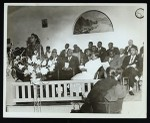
(93, 94)
(117, 51)
(125, 63)
(125, 51)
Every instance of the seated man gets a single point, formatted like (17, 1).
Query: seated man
(63, 53)
(128, 48)
(94, 49)
(100, 92)
(112, 59)
(70, 66)
(78, 52)
(112, 48)
(121, 57)
(86, 57)
(48, 52)
(130, 68)
(89, 47)
(101, 51)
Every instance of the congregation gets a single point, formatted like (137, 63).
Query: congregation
(75, 63)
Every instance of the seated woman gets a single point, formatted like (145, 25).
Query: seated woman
(53, 65)
(106, 89)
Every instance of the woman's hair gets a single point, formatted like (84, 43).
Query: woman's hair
(36, 37)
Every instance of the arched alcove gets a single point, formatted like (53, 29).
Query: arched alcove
(92, 21)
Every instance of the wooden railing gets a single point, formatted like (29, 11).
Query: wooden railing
(52, 90)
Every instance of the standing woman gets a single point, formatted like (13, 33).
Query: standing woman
(36, 45)
(29, 50)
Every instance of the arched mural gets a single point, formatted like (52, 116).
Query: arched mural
(93, 21)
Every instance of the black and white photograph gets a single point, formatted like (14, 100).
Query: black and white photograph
(75, 60)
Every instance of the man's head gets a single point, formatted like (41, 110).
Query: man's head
(70, 52)
(48, 48)
(133, 51)
(90, 45)
(94, 49)
(99, 44)
(66, 46)
(110, 45)
(121, 51)
(88, 52)
(75, 46)
(130, 42)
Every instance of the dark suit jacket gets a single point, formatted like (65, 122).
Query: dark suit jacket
(127, 60)
(126, 48)
(86, 50)
(73, 63)
(100, 89)
(62, 54)
(102, 53)
(115, 50)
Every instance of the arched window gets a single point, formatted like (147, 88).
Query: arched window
(93, 21)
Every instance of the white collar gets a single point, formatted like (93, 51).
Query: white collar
(69, 57)
(121, 55)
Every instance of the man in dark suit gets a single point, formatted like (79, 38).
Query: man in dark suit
(112, 48)
(112, 59)
(70, 66)
(128, 48)
(90, 45)
(101, 51)
(130, 68)
(63, 53)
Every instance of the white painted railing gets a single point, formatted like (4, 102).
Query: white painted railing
(52, 90)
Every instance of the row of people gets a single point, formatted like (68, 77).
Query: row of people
(72, 64)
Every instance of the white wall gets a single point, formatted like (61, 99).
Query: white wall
(61, 21)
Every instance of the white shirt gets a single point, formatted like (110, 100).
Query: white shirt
(132, 59)
(99, 49)
(110, 59)
(121, 55)
(48, 54)
(66, 50)
(69, 58)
